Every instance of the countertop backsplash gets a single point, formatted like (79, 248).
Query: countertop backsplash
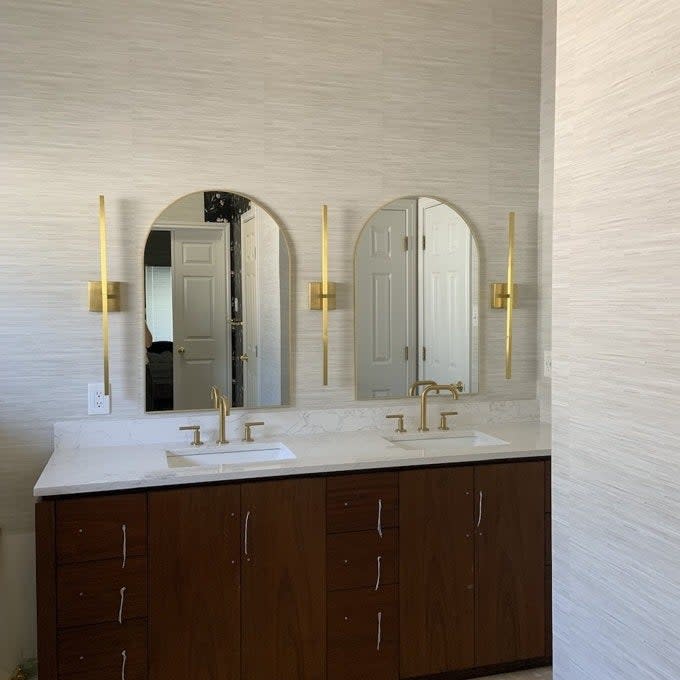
(102, 431)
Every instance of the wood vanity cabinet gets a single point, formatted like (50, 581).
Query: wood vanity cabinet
(472, 567)
(418, 573)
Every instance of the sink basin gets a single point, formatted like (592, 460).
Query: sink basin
(229, 454)
(445, 442)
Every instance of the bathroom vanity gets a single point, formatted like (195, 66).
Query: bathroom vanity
(359, 558)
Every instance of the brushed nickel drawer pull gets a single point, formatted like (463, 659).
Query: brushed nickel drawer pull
(377, 582)
(124, 529)
(123, 664)
(379, 630)
(122, 602)
(479, 517)
(245, 534)
(380, 531)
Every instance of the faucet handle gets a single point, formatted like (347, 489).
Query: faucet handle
(197, 434)
(247, 430)
(460, 386)
(442, 420)
(400, 422)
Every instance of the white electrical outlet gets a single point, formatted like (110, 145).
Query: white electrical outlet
(547, 363)
(97, 402)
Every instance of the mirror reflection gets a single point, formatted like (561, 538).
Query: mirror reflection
(217, 304)
(416, 283)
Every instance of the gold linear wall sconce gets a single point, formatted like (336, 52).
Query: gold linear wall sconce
(322, 294)
(101, 301)
(502, 298)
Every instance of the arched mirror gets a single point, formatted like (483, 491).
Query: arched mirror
(217, 286)
(416, 295)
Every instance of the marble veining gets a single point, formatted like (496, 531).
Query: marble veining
(163, 427)
(89, 469)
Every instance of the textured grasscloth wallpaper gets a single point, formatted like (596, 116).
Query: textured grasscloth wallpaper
(616, 341)
(352, 103)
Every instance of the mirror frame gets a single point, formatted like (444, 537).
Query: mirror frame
(476, 241)
(291, 308)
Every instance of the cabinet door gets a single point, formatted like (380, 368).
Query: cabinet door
(283, 580)
(436, 572)
(510, 564)
(194, 603)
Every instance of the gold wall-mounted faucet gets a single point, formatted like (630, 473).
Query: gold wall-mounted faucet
(455, 393)
(223, 405)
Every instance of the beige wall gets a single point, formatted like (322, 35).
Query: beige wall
(349, 103)
(616, 341)
(545, 204)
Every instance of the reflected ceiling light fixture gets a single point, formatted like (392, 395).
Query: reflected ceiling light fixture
(99, 301)
(322, 294)
(502, 298)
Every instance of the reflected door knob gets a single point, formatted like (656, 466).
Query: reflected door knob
(180, 350)
(243, 357)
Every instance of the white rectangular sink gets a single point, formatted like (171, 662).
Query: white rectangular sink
(444, 442)
(229, 454)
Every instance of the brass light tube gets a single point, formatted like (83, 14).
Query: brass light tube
(324, 290)
(510, 296)
(105, 290)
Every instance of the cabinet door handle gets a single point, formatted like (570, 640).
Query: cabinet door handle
(379, 631)
(124, 530)
(123, 664)
(245, 534)
(377, 581)
(122, 602)
(479, 515)
(380, 531)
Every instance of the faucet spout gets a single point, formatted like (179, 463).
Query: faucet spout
(455, 393)
(223, 405)
(413, 390)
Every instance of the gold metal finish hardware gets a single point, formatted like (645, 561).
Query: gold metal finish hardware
(406, 353)
(234, 322)
(424, 353)
(405, 243)
(413, 390)
(322, 295)
(400, 422)
(104, 292)
(455, 393)
(442, 419)
(504, 296)
(94, 296)
(423, 241)
(197, 434)
(223, 405)
(244, 357)
(247, 430)
(181, 350)
(315, 296)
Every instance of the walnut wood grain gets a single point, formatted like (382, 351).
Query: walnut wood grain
(436, 571)
(283, 626)
(194, 597)
(510, 562)
(95, 652)
(91, 528)
(352, 559)
(89, 592)
(353, 650)
(46, 588)
(352, 501)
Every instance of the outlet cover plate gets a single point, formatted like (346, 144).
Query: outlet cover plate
(97, 402)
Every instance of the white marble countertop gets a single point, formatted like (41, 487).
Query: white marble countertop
(113, 468)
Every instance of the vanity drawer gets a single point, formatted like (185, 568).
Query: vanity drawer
(90, 593)
(363, 635)
(101, 527)
(108, 651)
(361, 502)
(352, 559)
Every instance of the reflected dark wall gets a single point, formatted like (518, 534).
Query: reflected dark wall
(225, 207)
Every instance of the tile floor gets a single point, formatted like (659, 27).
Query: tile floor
(534, 674)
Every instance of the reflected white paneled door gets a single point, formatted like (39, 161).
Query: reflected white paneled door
(444, 294)
(385, 302)
(251, 384)
(199, 316)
